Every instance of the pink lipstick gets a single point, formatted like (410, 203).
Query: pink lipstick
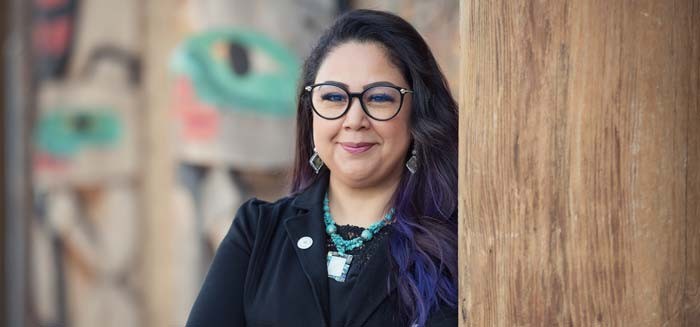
(355, 148)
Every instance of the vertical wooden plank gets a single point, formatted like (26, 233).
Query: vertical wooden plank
(3, 42)
(16, 128)
(579, 135)
(159, 41)
(691, 295)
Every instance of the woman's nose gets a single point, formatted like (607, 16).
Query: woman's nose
(356, 118)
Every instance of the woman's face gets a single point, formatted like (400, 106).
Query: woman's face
(358, 150)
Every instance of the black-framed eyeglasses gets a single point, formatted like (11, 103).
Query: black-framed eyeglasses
(381, 102)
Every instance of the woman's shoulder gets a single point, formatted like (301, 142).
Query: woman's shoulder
(254, 207)
(256, 214)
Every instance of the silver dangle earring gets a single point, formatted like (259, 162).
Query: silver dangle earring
(412, 163)
(315, 161)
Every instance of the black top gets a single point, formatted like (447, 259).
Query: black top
(262, 275)
(339, 291)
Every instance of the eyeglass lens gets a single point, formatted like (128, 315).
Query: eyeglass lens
(380, 102)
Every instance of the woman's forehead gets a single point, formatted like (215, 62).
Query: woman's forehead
(357, 64)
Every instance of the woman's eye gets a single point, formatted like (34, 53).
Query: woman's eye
(381, 98)
(334, 97)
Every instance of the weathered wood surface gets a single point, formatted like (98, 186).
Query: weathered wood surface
(579, 163)
(158, 41)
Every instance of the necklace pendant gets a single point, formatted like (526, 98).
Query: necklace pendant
(338, 265)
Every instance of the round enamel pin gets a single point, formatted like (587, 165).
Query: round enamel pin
(305, 242)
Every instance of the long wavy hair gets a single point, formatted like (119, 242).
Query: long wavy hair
(423, 245)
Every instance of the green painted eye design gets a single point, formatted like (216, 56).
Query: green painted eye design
(66, 131)
(228, 82)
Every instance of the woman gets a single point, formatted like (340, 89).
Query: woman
(368, 236)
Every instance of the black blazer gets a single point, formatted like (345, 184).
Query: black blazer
(260, 277)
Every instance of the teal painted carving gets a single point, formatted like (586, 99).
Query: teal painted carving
(219, 84)
(63, 132)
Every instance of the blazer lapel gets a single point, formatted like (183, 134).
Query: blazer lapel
(309, 223)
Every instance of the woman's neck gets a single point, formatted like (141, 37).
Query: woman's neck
(360, 206)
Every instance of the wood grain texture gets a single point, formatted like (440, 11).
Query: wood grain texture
(159, 39)
(579, 163)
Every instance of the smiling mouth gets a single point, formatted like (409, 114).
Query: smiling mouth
(355, 148)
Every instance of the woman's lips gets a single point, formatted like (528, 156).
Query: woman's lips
(355, 148)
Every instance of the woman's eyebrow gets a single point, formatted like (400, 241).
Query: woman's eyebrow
(380, 83)
(364, 87)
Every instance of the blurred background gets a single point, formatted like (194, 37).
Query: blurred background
(132, 131)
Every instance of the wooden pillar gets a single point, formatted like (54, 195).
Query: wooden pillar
(4, 9)
(580, 163)
(18, 113)
(159, 42)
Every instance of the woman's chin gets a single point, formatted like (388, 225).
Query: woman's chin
(357, 176)
(361, 177)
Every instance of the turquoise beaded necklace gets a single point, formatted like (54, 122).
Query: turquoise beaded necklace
(343, 245)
